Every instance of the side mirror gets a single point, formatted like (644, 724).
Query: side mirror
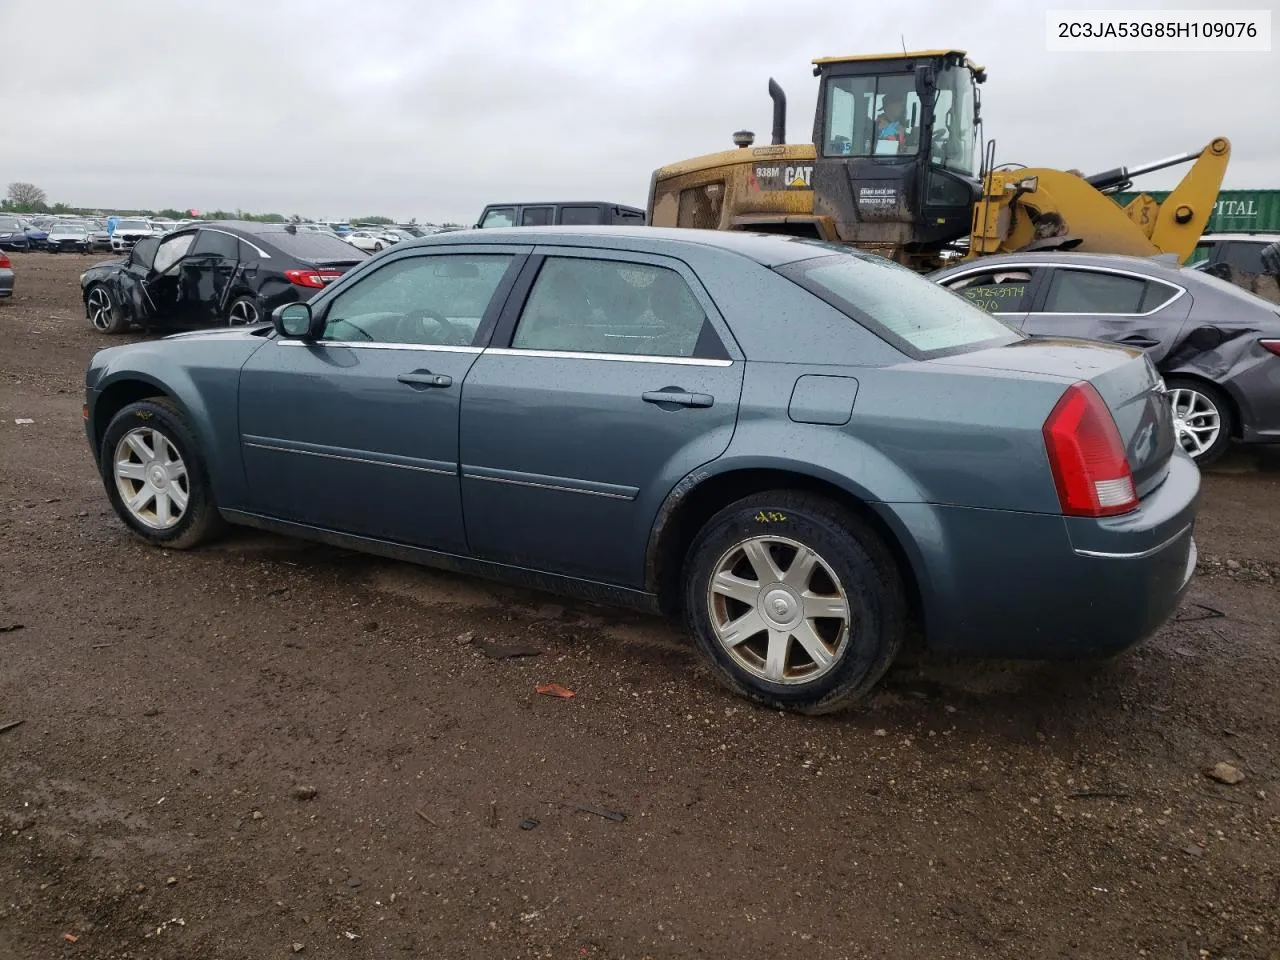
(293, 321)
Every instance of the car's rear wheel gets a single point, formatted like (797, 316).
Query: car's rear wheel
(243, 312)
(155, 476)
(1203, 422)
(377, 248)
(796, 603)
(104, 314)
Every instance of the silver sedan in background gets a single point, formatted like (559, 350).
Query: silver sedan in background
(1216, 345)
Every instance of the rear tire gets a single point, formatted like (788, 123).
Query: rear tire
(243, 312)
(794, 601)
(156, 478)
(1203, 420)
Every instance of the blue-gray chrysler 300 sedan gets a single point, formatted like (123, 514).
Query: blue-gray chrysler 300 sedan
(802, 450)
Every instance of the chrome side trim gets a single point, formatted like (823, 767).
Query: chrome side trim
(617, 357)
(277, 448)
(1143, 554)
(616, 493)
(423, 347)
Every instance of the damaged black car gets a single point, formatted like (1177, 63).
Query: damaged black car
(214, 274)
(1216, 345)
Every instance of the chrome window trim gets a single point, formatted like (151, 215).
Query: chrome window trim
(356, 345)
(576, 355)
(1077, 266)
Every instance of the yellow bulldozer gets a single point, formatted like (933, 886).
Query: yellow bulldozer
(894, 168)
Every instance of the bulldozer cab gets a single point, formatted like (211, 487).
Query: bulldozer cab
(896, 142)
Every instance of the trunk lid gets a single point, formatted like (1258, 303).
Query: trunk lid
(1125, 379)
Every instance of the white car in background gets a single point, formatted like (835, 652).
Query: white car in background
(129, 231)
(370, 241)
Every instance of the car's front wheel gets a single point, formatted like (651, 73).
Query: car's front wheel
(796, 602)
(155, 475)
(104, 314)
(1203, 422)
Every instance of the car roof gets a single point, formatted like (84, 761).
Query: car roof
(563, 203)
(1261, 236)
(1153, 266)
(769, 249)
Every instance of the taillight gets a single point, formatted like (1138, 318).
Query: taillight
(312, 278)
(1272, 345)
(1087, 456)
(5, 261)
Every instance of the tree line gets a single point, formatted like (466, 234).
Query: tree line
(29, 198)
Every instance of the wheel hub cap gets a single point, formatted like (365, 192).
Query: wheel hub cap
(778, 610)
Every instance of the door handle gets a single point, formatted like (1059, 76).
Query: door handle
(680, 397)
(425, 378)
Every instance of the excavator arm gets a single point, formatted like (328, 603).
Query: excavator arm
(1045, 209)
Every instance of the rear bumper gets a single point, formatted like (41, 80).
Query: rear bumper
(1040, 587)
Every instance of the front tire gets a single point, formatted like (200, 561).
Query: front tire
(156, 478)
(794, 601)
(1203, 422)
(105, 314)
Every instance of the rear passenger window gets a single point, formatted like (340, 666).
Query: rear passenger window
(997, 291)
(608, 306)
(579, 216)
(213, 243)
(536, 216)
(1087, 291)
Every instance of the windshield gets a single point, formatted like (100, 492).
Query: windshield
(953, 141)
(872, 116)
(916, 315)
(10, 226)
(132, 225)
(69, 228)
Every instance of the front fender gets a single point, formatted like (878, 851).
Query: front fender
(201, 377)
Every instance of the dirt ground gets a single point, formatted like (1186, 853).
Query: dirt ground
(271, 749)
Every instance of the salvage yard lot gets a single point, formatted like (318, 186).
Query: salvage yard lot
(264, 744)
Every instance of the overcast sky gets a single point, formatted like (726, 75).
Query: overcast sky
(431, 109)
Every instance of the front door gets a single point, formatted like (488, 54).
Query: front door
(152, 282)
(610, 384)
(358, 431)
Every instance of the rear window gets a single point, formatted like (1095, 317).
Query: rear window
(313, 246)
(914, 314)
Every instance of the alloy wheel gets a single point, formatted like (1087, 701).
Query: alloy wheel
(100, 309)
(778, 609)
(1196, 420)
(242, 313)
(151, 478)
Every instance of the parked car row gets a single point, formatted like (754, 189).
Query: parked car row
(804, 452)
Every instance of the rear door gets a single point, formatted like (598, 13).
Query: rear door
(207, 271)
(1006, 292)
(1096, 303)
(609, 380)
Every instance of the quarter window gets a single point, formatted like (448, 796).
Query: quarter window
(579, 216)
(609, 306)
(996, 291)
(1088, 291)
(429, 301)
(171, 251)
